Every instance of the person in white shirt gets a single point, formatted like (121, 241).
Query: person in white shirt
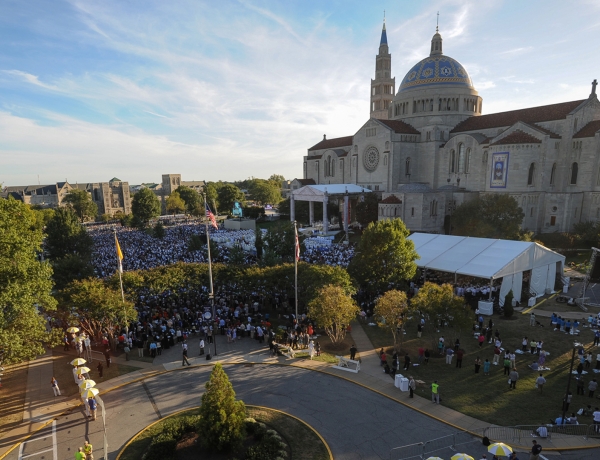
(596, 415)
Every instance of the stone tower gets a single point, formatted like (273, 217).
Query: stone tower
(383, 87)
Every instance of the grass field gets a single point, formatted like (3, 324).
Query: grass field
(489, 397)
(303, 442)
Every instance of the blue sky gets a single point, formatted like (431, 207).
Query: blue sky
(232, 89)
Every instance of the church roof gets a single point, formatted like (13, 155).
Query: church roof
(545, 131)
(399, 126)
(518, 137)
(531, 115)
(414, 187)
(383, 36)
(333, 143)
(115, 179)
(588, 130)
(305, 181)
(392, 199)
(436, 70)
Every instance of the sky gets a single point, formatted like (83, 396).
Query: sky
(235, 89)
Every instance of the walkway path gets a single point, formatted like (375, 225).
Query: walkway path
(41, 408)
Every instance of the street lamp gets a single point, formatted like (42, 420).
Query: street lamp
(576, 346)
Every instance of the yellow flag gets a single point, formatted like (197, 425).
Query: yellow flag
(119, 252)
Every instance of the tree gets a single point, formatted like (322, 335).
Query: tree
(280, 241)
(175, 204)
(490, 216)
(587, 232)
(81, 203)
(277, 178)
(442, 306)
(69, 247)
(221, 415)
(237, 256)
(212, 196)
(313, 277)
(367, 211)
(95, 307)
(265, 192)
(391, 312)
(385, 257)
(258, 243)
(333, 310)
(145, 206)
(192, 201)
(25, 286)
(42, 216)
(159, 230)
(228, 194)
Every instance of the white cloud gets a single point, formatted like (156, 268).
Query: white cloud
(29, 78)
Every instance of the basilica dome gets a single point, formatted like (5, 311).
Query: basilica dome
(436, 70)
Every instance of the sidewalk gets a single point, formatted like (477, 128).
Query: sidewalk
(41, 407)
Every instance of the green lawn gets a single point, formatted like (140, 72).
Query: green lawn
(489, 397)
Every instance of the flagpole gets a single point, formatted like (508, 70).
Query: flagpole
(296, 254)
(120, 270)
(211, 294)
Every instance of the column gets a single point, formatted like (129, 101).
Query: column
(292, 208)
(325, 217)
(311, 212)
(346, 214)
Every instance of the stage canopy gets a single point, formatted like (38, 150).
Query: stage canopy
(490, 259)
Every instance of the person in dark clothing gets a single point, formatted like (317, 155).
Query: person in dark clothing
(353, 352)
(100, 368)
(459, 357)
(427, 355)
(107, 357)
(406, 362)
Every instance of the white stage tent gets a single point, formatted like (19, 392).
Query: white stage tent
(490, 259)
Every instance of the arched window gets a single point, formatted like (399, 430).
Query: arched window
(484, 158)
(407, 167)
(531, 174)
(574, 171)
(468, 161)
(452, 165)
(385, 160)
(461, 158)
(326, 167)
(553, 174)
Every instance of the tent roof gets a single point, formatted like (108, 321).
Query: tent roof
(480, 257)
(318, 192)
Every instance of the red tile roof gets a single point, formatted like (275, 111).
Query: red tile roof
(333, 143)
(399, 126)
(392, 199)
(518, 137)
(531, 115)
(588, 130)
(546, 131)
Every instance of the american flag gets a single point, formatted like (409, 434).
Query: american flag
(211, 216)
(297, 244)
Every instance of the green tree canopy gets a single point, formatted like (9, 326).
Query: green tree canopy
(391, 310)
(385, 257)
(278, 178)
(175, 204)
(145, 206)
(81, 203)
(221, 415)
(333, 310)
(26, 285)
(42, 216)
(228, 194)
(192, 200)
(280, 240)
(69, 247)
(367, 211)
(265, 192)
(212, 196)
(95, 307)
(492, 215)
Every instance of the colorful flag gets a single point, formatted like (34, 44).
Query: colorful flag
(211, 216)
(297, 244)
(119, 254)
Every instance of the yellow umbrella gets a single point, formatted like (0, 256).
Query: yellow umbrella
(88, 383)
(434, 458)
(78, 362)
(92, 392)
(461, 457)
(73, 330)
(83, 370)
(501, 449)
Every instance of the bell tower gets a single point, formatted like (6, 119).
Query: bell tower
(383, 87)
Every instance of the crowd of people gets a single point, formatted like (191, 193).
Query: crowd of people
(334, 254)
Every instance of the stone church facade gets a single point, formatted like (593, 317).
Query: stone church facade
(428, 148)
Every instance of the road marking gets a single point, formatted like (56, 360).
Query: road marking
(54, 447)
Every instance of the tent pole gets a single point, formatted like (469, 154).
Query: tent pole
(491, 284)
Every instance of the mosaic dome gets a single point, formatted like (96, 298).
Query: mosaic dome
(436, 70)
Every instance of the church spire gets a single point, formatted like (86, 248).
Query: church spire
(436, 43)
(383, 33)
(383, 87)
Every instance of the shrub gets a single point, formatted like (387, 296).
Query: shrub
(268, 448)
(164, 445)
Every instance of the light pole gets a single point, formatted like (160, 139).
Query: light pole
(576, 345)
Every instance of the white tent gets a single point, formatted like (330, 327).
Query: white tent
(490, 259)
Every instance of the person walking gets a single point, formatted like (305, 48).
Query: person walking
(93, 406)
(426, 355)
(477, 364)
(513, 376)
(406, 362)
(459, 357)
(532, 319)
(412, 386)
(449, 354)
(496, 356)
(79, 455)
(435, 393)
(536, 450)
(107, 357)
(185, 357)
(201, 347)
(486, 367)
(592, 386)
(88, 450)
(506, 366)
(55, 388)
(353, 352)
(539, 383)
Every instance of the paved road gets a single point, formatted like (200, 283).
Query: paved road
(356, 422)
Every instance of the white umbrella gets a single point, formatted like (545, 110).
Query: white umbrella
(73, 330)
(91, 392)
(461, 457)
(86, 384)
(501, 449)
(78, 361)
(83, 370)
